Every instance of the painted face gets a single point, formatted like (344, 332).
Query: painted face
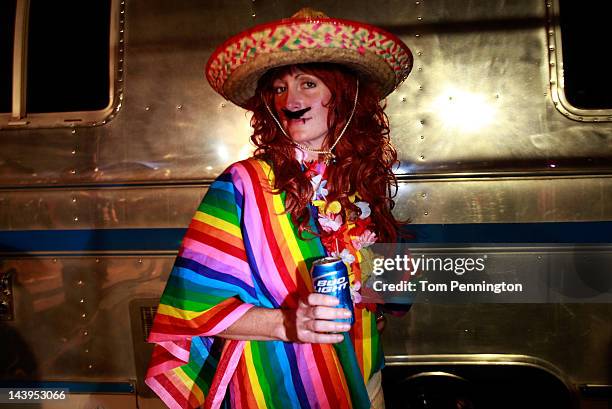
(300, 100)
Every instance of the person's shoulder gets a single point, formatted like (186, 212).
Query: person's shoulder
(251, 168)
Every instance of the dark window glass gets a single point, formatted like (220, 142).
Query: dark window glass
(585, 36)
(7, 29)
(68, 55)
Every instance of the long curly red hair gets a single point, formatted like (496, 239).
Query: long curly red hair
(364, 155)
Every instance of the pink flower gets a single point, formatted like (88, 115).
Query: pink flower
(355, 294)
(331, 223)
(367, 238)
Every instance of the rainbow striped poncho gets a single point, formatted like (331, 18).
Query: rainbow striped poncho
(241, 250)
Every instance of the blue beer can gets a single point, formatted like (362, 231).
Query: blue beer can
(330, 276)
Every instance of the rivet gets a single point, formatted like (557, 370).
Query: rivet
(420, 88)
(87, 350)
(423, 194)
(422, 121)
(223, 105)
(551, 48)
(73, 131)
(76, 219)
(74, 199)
(403, 99)
(422, 157)
(73, 171)
(97, 260)
(426, 213)
(83, 315)
(450, 98)
(417, 35)
(422, 136)
(581, 118)
(147, 108)
(54, 260)
(179, 106)
(140, 260)
(417, 3)
(80, 283)
(253, 15)
(419, 52)
(419, 18)
(553, 82)
(90, 366)
(96, 169)
(420, 69)
(74, 152)
(552, 63)
(82, 300)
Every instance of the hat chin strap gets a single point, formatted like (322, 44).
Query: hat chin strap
(329, 156)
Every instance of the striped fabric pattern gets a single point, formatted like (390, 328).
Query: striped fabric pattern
(241, 251)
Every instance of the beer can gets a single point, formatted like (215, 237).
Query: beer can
(330, 276)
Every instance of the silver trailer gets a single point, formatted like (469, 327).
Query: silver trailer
(496, 146)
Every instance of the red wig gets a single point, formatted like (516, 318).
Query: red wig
(364, 155)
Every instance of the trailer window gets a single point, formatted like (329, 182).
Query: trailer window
(585, 36)
(60, 62)
(68, 56)
(7, 27)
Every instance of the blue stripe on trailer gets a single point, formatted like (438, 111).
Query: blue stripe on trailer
(169, 239)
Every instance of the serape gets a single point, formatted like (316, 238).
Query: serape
(242, 250)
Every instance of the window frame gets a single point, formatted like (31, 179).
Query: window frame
(557, 79)
(18, 118)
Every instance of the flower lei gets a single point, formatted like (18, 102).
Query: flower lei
(344, 233)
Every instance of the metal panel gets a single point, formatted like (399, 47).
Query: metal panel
(506, 200)
(98, 208)
(478, 99)
(87, 300)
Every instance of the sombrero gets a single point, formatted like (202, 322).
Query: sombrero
(308, 36)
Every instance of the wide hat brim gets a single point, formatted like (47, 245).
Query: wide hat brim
(375, 54)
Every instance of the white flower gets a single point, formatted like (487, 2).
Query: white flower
(331, 223)
(365, 209)
(318, 187)
(345, 255)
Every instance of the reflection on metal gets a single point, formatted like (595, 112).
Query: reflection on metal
(20, 68)
(478, 359)
(555, 62)
(6, 294)
(86, 299)
(506, 200)
(466, 111)
(163, 206)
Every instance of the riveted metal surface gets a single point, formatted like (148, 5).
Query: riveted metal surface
(98, 208)
(506, 200)
(478, 98)
(86, 299)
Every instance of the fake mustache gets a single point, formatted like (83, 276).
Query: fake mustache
(295, 114)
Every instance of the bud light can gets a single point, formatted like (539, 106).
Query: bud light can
(330, 276)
